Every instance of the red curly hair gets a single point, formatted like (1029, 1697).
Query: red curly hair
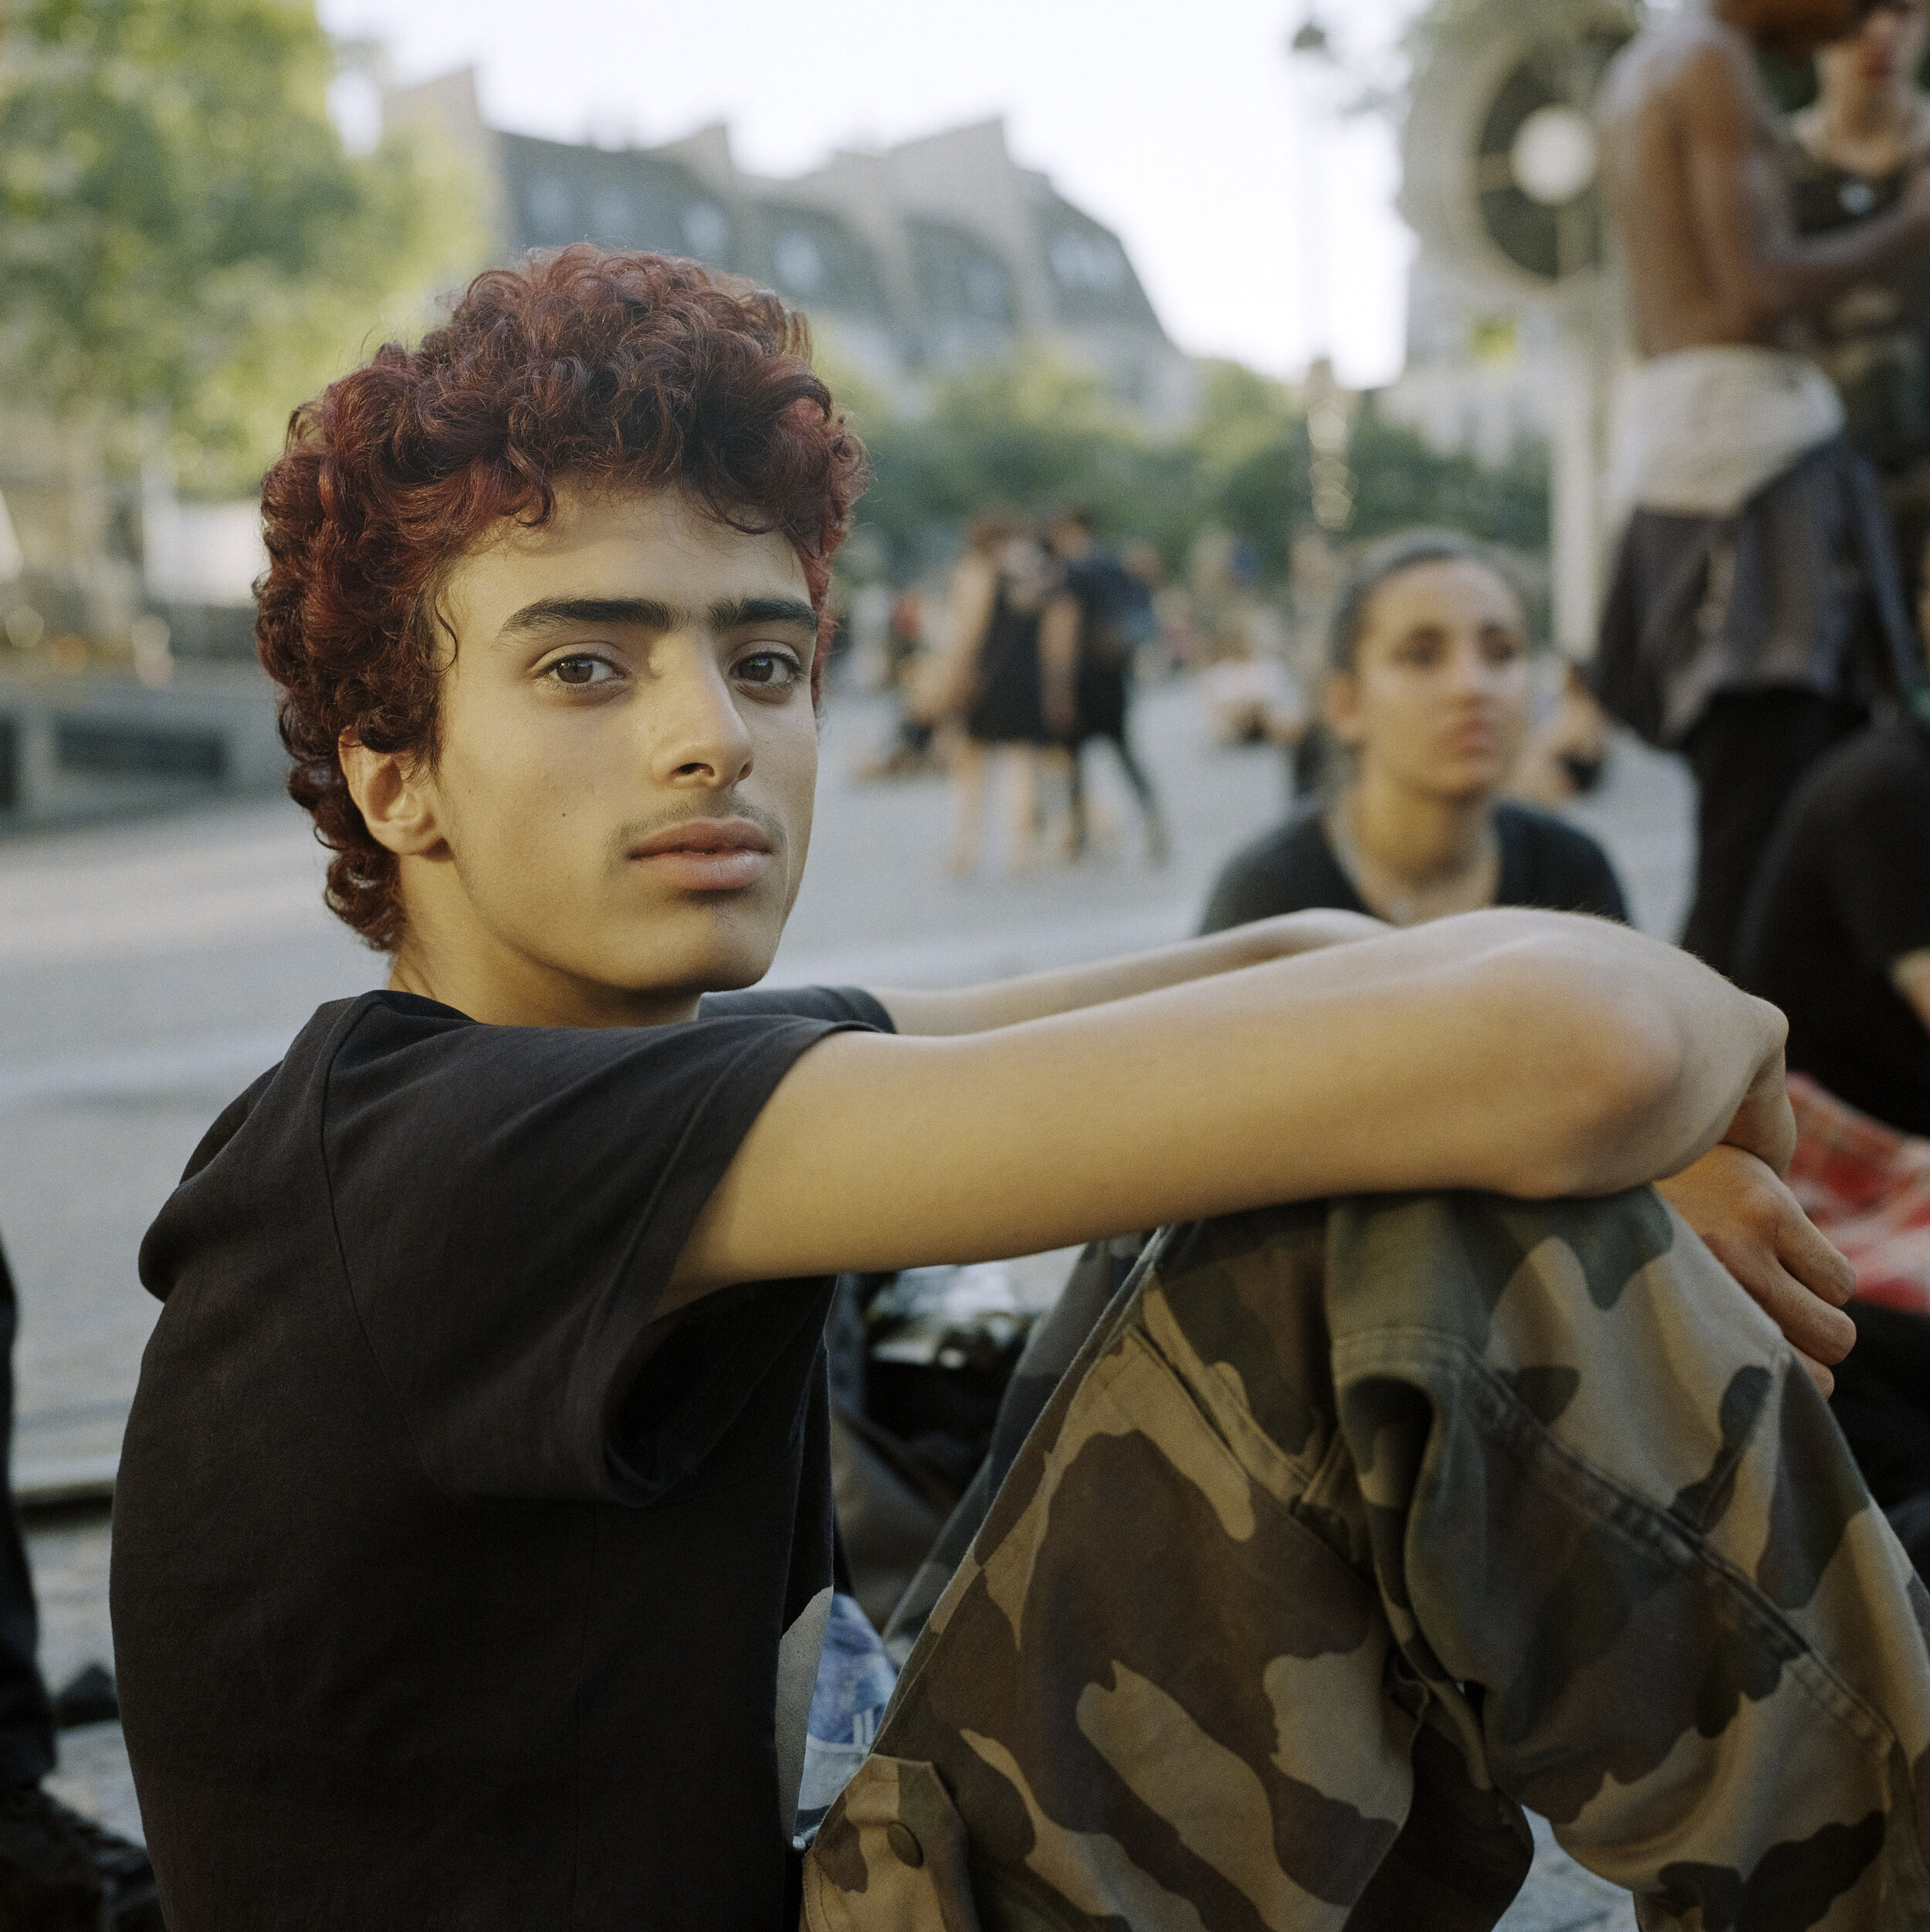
(629, 371)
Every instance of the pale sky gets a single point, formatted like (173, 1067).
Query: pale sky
(1188, 131)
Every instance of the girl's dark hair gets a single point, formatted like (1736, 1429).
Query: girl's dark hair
(1380, 562)
(616, 371)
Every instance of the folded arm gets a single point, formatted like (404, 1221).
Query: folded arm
(1008, 1003)
(1525, 1052)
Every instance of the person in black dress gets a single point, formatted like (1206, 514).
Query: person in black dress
(999, 593)
(1851, 154)
(1428, 698)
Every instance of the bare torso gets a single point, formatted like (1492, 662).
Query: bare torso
(1688, 85)
(1691, 165)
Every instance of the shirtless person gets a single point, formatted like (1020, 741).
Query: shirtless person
(1757, 609)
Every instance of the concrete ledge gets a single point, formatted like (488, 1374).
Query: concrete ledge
(68, 1485)
(101, 746)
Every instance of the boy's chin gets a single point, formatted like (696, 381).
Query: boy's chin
(715, 962)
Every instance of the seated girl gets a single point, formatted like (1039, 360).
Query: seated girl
(1427, 694)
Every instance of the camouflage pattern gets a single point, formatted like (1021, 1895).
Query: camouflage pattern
(1356, 1527)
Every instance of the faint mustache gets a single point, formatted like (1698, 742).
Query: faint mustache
(642, 830)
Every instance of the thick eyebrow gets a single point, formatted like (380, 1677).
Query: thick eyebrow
(649, 613)
(645, 613)
(740, 614)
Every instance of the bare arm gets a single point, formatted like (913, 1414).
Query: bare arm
(975, 592)
(1764, 272)
(1531, 1054)
(1010, 1002)
(1058, 653)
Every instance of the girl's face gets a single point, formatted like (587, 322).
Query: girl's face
(1888, 51)
(1438, 700)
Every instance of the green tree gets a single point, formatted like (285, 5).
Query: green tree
(1033, 434)
(1022, 436)
(1400, 480)
(183, 239)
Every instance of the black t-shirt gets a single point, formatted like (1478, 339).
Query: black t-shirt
(441, 1598)
(1843, 893)
(1545, 863)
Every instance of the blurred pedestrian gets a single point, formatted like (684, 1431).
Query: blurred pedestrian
(1854, 152)
(999, 593)
(1837, 929)
(1756, 612)
(57, 1870)
(1093, 628)
(1837, 935)
(1427, 699)
(915, 680)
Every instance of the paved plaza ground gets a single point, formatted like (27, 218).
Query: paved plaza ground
(148, 972)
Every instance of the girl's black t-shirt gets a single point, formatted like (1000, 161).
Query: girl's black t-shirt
(1545, 863)
(448, 1590)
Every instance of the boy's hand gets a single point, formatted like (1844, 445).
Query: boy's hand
(1764, 1126)
(1754, 1226)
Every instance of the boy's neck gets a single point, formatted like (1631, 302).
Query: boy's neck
(506, 993)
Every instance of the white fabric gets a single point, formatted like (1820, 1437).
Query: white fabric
(799, 1650)
(1698, 433)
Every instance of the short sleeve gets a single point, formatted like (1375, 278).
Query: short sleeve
(510, 1203)
(1288, 870)
(844, 1006)
(1555, 867)
(1603, 894)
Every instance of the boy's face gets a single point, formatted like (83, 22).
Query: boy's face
(618, 817)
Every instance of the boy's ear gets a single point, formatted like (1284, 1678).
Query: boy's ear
(392, 791)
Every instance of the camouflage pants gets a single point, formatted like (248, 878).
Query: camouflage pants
(1354, 1528)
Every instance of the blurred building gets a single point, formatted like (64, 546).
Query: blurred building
(127, 679)
(918, 259)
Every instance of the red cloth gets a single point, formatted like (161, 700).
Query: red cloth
(1867, 1187)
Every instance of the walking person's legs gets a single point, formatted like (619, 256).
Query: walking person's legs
(1353, 1529)
(1747, 754)
(26, 1713)
(1022, 763)
(59, 1872)
(968, 805)
(1152, 820)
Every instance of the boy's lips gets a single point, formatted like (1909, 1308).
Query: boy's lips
(707, 854)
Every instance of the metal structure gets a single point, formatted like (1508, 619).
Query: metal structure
(1501, 184)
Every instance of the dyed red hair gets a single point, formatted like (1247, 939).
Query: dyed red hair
(624, 371)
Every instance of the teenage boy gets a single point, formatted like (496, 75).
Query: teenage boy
(472, 1541)
(1757, 607)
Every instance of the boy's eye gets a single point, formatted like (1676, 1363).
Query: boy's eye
(579, 671)
(770, 667)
